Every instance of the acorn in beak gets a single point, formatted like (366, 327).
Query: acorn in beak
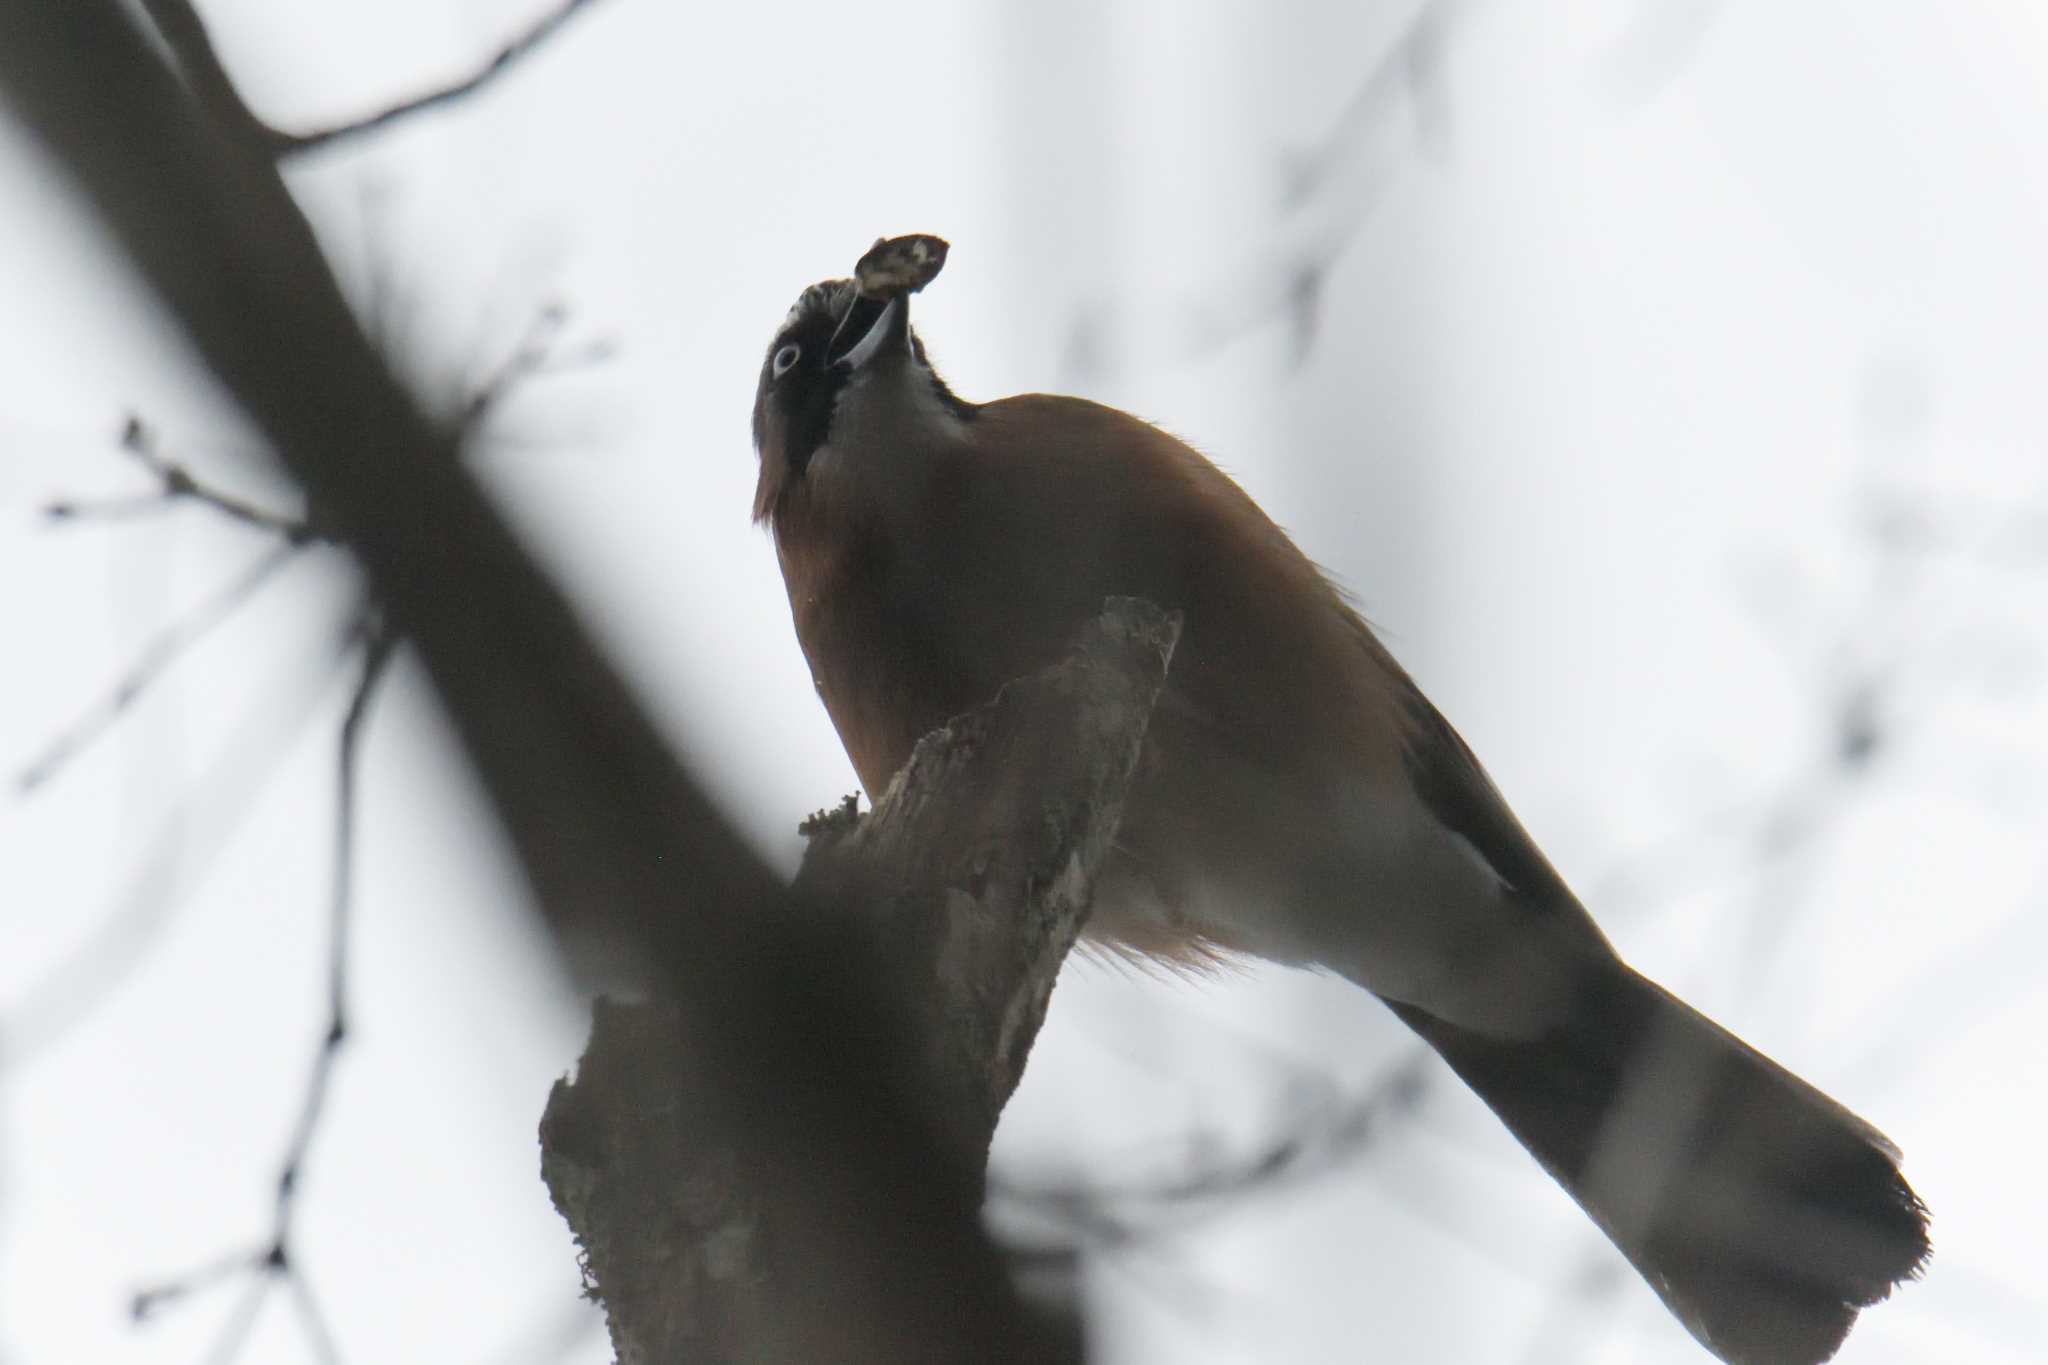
(878, 320)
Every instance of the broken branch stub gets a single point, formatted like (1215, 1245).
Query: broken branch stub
(978, 862)
(954, 902)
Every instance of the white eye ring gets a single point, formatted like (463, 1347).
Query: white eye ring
(785, 358)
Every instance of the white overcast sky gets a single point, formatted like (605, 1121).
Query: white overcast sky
(1653, 324)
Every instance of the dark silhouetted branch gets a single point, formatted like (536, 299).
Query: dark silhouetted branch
(208, 82)
(499, 62)
(628, 860)
(179, 485)
(377, 646)
(175, 486)
(185, 34)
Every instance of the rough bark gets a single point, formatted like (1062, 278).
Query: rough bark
(964, 890)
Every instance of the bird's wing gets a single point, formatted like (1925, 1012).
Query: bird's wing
(1450, 781)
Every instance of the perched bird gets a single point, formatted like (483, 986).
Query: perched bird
(1297, 799)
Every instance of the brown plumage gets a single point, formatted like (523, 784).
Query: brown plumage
(1300, 800)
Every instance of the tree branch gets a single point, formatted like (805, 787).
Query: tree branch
(288, 144)
(625, 854)
(184, 33)
(273, 1259)
(963, 891)
(579, 772)
(157, 656)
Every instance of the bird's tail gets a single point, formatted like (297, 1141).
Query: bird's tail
(1764, 1214)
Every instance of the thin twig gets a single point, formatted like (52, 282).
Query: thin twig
(241, 1322)
(313, 1321)
(68, 994)
(290, 144)
(138, 441)
(1332, 188)
(184, 33)
(1120, 1215)
(537, 353)
(157, 656)
(129, 508)
(600, 811)
(377, 647)
(147, 1302)
(273, 1259)
(175, 484)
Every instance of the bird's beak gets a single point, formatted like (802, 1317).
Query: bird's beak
(870, 328)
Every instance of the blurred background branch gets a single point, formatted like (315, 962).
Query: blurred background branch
(184, 32)
(622, 849)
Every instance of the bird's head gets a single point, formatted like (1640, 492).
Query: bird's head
(845, 357)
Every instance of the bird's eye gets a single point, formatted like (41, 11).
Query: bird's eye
(785, 358)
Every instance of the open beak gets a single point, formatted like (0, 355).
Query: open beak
(870, 328)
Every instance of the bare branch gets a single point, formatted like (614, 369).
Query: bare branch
(502, 60)
(127, 508)
(1400, 106)
(959, 895)
(377, 648)
(1116, 1216)
(1332, 188)
(195, 208)
(185, 34)
(234, 1334)
(535, 354)
(47, 1012)
(313, 1322)
(178, 484)
(146, 1303)
(273, 1259)
(538, 352)
(157, 656)
(621, 847)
